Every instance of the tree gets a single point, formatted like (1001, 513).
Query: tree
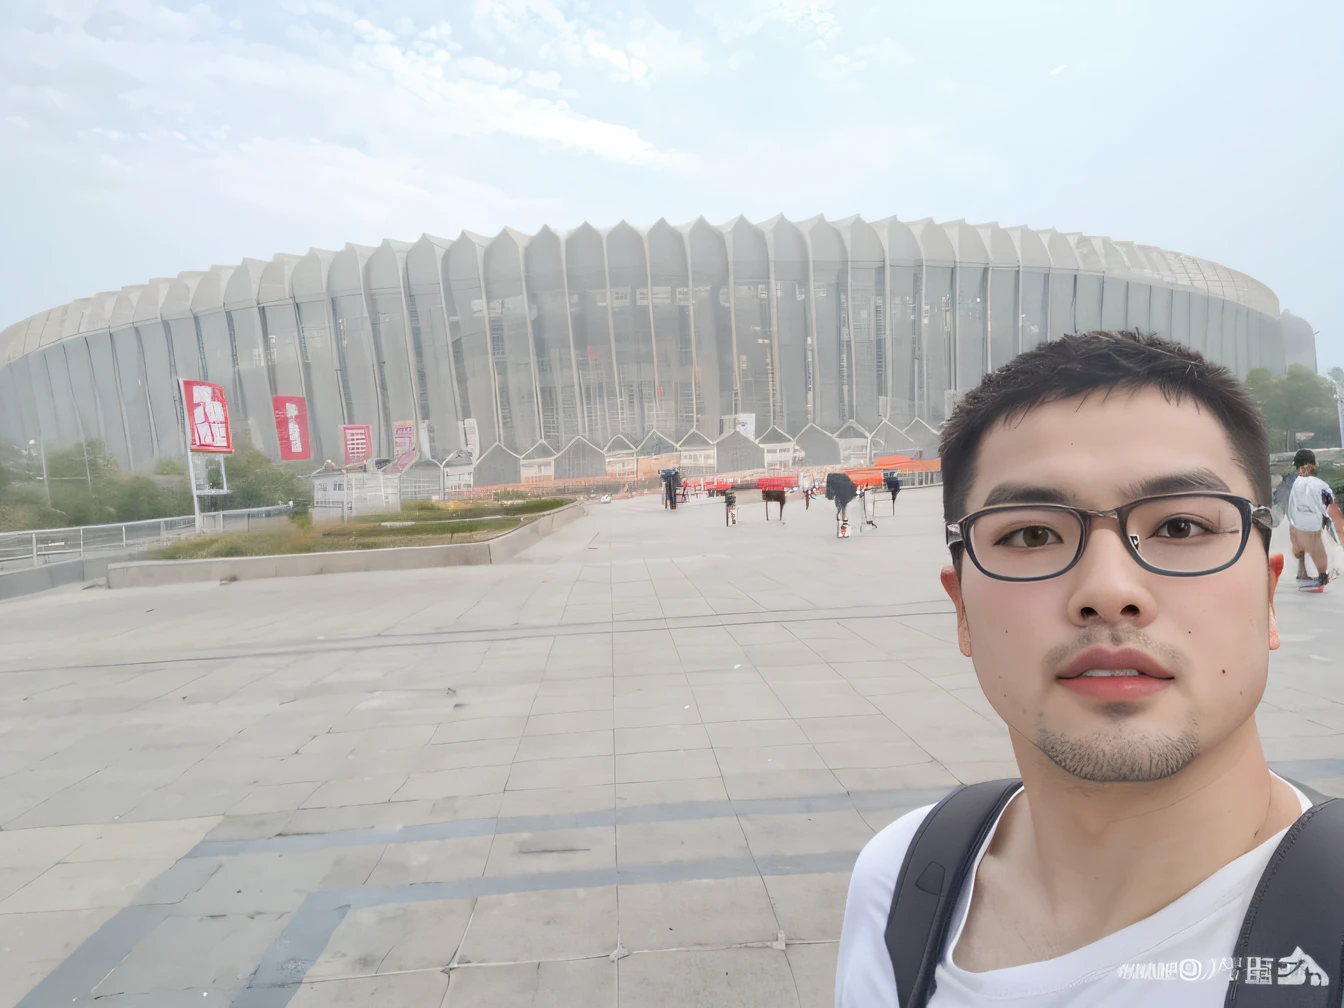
(256, 481)
(1300, 400)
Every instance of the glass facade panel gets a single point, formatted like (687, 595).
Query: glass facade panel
(188, 358)
(1087, 309)
(972, 351)
(164, 394)
(1003, 317)
(1199, 322)
(632, 331)
(1035, 309)
(252, 417)
(387, 326)
(511, 345)
(1137, 312)
(1159, 310)
(1180, 316)
(434, 378)
(756, 386)
(130, 372)
(67, 430)
(322, 380)
(868, 349)
(1063, 295)
(713, 326)
(359, 369)
(590, 321)
(85, 401)
(217, 338)
(902, 318)
(1114, 304)
(937, 320)
(44, 399)
(26, 397)
(674, 350)
(793, 326)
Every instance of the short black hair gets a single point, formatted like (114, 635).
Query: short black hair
(1083, 363)
(1304, 456)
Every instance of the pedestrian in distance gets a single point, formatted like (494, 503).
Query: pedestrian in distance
(1106, 510)
(1308, 512)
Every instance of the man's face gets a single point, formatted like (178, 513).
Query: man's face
(1210, 634)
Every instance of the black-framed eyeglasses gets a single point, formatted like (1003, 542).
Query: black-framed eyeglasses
(1179, 535)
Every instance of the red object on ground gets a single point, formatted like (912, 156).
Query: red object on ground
(777, 482)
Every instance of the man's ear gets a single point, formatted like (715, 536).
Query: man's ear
(952, 585)
(1275, 569)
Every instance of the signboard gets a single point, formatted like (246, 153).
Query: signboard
(207, 417)
(403, 445)
(291, 427)
(358, 439)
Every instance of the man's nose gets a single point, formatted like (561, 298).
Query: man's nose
(1108, 585)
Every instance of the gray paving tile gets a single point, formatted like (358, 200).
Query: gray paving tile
(214, 952)
(669, 765)
(702, 912)
(431, 861)
(561, 772)
(661, 738)
(453, 783)
(564, 746)
(422, 988)
(813, 968)
(588, 848)
(558, 800)
(586, 982)
(394, 937)
(692, 840)
(553, 924)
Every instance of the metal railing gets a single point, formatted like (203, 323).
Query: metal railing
(43, 546)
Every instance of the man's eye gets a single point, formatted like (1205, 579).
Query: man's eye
(1180, 528)
(1031, 537)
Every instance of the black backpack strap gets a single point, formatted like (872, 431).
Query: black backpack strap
(936, 866)
(1296, 918)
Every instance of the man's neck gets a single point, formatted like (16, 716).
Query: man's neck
(1104, 856)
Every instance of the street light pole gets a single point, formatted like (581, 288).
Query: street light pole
(42, 449)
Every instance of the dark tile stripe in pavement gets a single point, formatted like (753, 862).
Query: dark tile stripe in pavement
(911, 798)
(282, 968)
(665, 812)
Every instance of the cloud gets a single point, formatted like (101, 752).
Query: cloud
(626, 49)
(405, 91)
(811, 17)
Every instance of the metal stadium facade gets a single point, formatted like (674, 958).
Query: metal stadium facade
(735, 346)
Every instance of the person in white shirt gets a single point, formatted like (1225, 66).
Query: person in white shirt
(1106, 505)
(1308, 509)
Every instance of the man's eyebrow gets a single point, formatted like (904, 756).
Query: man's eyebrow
(1027, 493)
(1194, 480)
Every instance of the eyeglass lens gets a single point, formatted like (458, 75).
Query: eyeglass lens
(1186, 534)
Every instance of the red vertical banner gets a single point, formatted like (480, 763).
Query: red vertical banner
(291, 427)
(207, 417)
(358, 440)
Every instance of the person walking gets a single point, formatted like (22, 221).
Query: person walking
(1308, 510)
(1106, 510)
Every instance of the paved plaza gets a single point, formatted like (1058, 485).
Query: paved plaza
(632, 767)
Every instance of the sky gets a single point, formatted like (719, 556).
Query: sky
(141, 138)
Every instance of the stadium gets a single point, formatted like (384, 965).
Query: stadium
(564, 355)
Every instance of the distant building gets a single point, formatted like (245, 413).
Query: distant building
(591, 353)
(1299, 340)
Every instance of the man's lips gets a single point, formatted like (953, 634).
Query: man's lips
(1098, 657)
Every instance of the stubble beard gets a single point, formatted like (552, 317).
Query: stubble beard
(1120, 753)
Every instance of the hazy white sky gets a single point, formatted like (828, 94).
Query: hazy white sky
(146, 137)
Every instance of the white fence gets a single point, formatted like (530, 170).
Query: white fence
(28, 549)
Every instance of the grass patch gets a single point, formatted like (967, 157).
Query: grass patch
(430, 525)
(318, 539)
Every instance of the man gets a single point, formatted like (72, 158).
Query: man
(1308, 508)
(1123, 634)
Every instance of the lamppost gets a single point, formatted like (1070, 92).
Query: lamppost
(42, 449)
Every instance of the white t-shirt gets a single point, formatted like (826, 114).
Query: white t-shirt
(1124, 969)
(1307, 503)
